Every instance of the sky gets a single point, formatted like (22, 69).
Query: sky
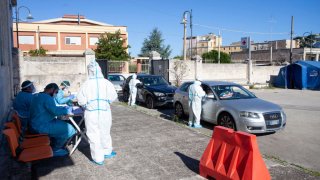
(261, 20)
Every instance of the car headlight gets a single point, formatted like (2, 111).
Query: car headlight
(249, 114)
(159, 94)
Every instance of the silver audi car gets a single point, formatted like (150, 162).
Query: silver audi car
(231, 105)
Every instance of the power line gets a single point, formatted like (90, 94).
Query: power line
(240, 31)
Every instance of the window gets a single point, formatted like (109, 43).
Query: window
(227, 92)
(115, 78)
(73, 40)
(93, 41)
(185, 87)
(48, 40)
(207, 89)
(26, 39)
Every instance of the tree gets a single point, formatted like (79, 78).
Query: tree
(155, 43)
(179, 71)
(38, 52)
(178, 57)
(212, 57)
(306, 41)
(111, 47)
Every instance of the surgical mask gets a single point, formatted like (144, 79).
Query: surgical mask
(33, 90)
(54, 94)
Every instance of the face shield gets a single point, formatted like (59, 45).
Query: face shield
(94, 70)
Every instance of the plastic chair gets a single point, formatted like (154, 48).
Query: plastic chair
(28, 154)
(30, 142)
(16, 120)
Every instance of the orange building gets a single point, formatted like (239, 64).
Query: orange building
(69, 35)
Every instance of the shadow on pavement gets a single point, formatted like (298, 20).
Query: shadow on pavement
(45, 167)
(84, 148)
(192, 164)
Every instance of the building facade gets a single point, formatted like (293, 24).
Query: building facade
(229, 49)
(6, 77)
(69, 35)
(202, 44)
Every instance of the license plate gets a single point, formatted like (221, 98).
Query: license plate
(273, 122)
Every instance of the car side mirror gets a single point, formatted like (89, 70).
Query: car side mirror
(170, 83)
(210, 96)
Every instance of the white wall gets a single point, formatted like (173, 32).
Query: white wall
(227, 72)
(45, 70)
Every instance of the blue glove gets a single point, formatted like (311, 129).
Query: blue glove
(69, 110)
(71, 96)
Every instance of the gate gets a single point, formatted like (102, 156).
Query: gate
(160, 67)
(103, 63)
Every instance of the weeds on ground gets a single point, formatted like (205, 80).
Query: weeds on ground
(285, 163)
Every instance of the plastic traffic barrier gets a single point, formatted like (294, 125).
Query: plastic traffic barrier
(233, 155)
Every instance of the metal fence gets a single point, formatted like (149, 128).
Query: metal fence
(145, 68)
(116, 66)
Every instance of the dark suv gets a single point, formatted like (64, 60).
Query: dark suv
(153, 91)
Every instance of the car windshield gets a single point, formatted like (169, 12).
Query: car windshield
(229, 92)
(153, 81)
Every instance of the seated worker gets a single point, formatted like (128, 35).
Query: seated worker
(22, 103)
(63, 97)
(43, 113)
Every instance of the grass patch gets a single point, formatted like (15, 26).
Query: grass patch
(285, 163)
(306, 170)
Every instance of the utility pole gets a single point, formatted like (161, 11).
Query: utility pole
(271, 53)
(291, 35)
(184, 22)
(250, 63)
(191, 32)
(219, 38)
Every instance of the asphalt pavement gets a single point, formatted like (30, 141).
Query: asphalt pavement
(150, 145)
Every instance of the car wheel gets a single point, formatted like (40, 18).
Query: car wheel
(179, 110)
(150, 102)
(125, 96)
(226, 120)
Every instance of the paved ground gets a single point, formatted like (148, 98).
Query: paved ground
(148, 147)
(299, 143)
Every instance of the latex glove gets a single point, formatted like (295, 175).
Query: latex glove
(71, 97)
(69, 110)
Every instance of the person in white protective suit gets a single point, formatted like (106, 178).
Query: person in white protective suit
(196, 94)
(96, 95)
(133, 90)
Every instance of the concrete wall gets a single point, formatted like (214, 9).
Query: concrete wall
(237, 73)
(6, 81)
(45, 70)
(261, 74)
(278, 55)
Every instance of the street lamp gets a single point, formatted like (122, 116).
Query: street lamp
(17, 20)
(184, 22)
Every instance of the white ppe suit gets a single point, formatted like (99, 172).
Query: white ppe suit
(133, 90)
(196, 94)
(96, 95)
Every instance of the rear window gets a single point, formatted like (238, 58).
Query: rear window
(115, 78)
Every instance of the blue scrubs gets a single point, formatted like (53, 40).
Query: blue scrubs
(60, 99)
(22, 105)
(43, 112)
